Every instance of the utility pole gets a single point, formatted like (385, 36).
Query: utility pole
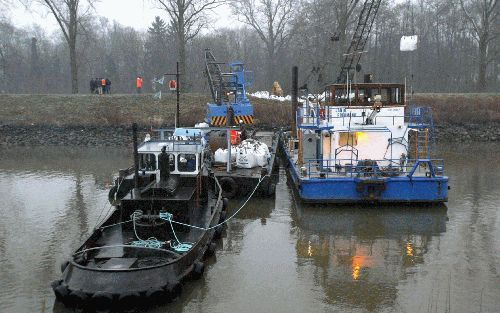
(177, 92)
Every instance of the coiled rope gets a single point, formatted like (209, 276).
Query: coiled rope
(152, 242)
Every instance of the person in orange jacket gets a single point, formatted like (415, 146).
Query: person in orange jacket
(138, 84)
(103, 85)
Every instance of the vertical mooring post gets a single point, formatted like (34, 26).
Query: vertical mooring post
(229, 123)
(295, 92)
(136, 156)
(177, 91)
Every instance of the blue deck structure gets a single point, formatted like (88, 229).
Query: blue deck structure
(364, 150)
(228, 93)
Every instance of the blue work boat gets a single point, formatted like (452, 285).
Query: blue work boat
(364, 145)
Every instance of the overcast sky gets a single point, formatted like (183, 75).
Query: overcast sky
(135, 13)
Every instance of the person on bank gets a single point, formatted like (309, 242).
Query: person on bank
(138, 84)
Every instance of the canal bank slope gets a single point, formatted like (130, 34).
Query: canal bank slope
(93, 120)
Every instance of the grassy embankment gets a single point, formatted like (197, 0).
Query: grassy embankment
(122, 110)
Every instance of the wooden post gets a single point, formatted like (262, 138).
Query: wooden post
(295, 92)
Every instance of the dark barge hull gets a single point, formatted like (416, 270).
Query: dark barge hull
(93, 288)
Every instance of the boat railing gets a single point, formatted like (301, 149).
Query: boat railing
(316, 168)
(167, 135)
(319, 117)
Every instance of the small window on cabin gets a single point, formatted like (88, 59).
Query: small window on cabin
(171, 162)
(341, 96)
(186, 162)
(395, 95)
(147, 162)
(385, 94)
(350, 139)
(363, 96)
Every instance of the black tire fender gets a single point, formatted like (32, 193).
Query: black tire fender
(174, 290)
(156, 295)
(211, 249)
(64, 264)
(229, 187)
(218, 232)
(102, 300)
(222, 217)
(129, 300)
(198, 269)
(76, 298)
(61, 292)
(225, 203)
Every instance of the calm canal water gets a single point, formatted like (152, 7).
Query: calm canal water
(277, 255)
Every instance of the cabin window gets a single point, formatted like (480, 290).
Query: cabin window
(384, 93)
(147, 162)
(186, 162)
(395, 95)
(341, 96)
(171, 162)
(350, 139)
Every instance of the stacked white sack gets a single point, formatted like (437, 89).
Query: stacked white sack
(221, 155)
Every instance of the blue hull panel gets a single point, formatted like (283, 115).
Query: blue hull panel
(399, 189)
(382, 189)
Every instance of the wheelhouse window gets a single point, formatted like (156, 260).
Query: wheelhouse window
(171, 162)
(186, 162)
(147, 162)
(350, 139)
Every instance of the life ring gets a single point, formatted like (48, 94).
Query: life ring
(322, 113)
(229, 187)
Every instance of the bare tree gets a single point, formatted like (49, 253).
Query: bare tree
(270, 19)
(69, 14)
(482, 14)
(187, 18)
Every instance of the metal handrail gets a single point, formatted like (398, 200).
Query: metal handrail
(317, 168)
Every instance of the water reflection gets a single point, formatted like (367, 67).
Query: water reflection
(276, 256)
(50, 199)
(359, 255)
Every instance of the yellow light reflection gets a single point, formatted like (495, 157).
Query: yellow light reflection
(361, 136)
(409, 249)
(356, 269)
(357, 262)
(309, 249)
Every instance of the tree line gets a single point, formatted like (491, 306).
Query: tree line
(458, 48)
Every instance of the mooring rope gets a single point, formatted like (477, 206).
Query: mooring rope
(152, 242)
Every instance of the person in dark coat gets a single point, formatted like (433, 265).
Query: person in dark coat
(163, 165)
(92, 86)
(108, 86)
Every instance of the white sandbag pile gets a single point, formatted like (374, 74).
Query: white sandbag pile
(248, 154)
(221, 155)
(252, 153)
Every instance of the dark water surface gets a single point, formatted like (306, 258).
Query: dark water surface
(277, 255)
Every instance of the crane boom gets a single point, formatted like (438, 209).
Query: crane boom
(360, 38)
